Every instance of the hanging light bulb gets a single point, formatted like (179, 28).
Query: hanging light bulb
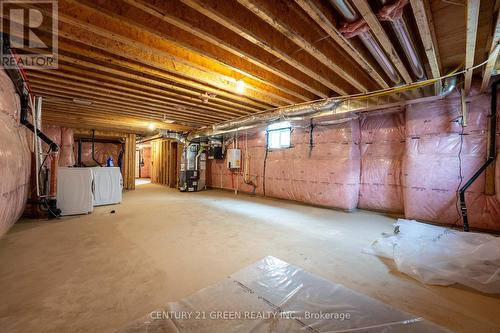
(151, 126)
(240, 87)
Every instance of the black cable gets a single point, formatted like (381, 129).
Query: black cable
(457, 205)
(264, 171)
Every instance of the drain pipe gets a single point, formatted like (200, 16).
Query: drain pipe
(403, 34)
(492, 153)
(351, 16)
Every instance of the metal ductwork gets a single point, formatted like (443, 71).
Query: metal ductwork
(403, 34)
(295, 112)
(350, 16)
(450, 83)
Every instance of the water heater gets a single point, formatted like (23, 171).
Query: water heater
(233, 158)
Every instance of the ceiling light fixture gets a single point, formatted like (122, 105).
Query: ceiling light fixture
(82, 101)
(240, 87)
(151, 127)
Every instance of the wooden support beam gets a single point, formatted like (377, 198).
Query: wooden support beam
(472, 17)
(161, 108)
(235, 18)
(423, 17)
(324, 19)
(65, 97)
(108, 25)
(129, 162)
(374, 24)
(183, 17)
(165, 36)
(83, 69)
(110, 63)
(493, 51)
(301, 30)
(131, 88)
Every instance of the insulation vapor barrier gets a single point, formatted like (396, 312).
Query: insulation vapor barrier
(102, 151)
(15, 156)
(325, 174)
(274, 296)
(410, 161)
(382, 149)
(64, 139)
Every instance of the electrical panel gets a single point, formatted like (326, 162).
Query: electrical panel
(233, 158)
(215, 153)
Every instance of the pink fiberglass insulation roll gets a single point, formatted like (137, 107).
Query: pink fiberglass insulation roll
(102, 151)
(382, 149)
(437, 154)
(15, 157)
(65, 139)
(66, 155)
(326, 174)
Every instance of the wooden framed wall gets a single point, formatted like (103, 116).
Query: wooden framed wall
(165, 161)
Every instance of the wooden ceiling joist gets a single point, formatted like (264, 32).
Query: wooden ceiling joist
(324, 19)
(425, 25)
(281, 15)
(114, 102)
(131, 88)
(472, 16)
(107, 25)
(122, 96)
(494, 49)
(158, 34)
(183, 17)
(83, 69)
(233, 17)
(375, 26)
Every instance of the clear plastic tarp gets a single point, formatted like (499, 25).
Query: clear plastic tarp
(274, 296)
(443, 256)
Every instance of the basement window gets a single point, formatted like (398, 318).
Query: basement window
(278, 135)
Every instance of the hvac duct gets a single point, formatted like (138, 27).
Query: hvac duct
(402, 33)
(296, 112)
(350, 15)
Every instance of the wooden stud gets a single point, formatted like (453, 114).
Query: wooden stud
(472, 16)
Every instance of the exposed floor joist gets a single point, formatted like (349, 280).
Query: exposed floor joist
(472, 16)
(494, 49)
(283, 17)
(423, 17)
(324, 18)
(232, 17)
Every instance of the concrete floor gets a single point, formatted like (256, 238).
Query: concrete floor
(96, 273)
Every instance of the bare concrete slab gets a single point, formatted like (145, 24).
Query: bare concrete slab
(96, 273)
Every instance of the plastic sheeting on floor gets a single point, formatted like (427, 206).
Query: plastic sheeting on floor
(15, 157)
(274, 296)
(442, 256)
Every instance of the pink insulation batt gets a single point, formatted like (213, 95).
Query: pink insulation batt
(15, 156)
(432, 166)
(64, 138)
(402, 161)
(382, 149)
(326, 175)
